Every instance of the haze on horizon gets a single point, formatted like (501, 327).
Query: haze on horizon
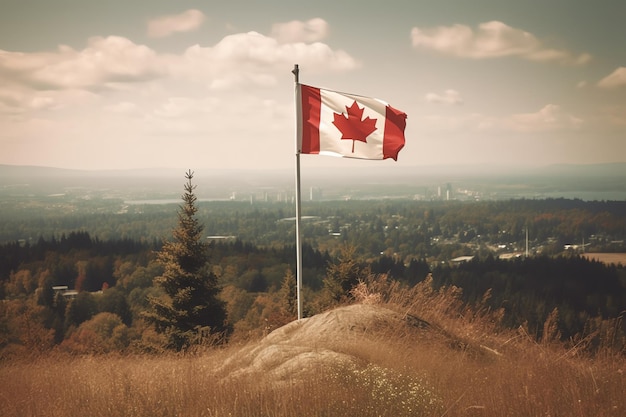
(118, 85)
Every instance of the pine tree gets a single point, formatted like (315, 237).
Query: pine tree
(289, 295)
(190, 311)
(342, 276)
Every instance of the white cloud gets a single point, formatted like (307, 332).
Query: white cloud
(104, 60)
(11, 100)
(42, 102)
(448, 97)
(184, 22)
(33, 80)
(312, 30)
(115, 98)
(616, 79)
(491, 40)
(16, 99)
(550, 117)
(252, 58)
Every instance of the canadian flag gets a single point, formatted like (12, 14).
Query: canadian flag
(347, 125)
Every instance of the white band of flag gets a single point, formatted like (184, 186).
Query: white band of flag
(348, 125)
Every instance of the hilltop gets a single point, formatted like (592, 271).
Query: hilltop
(295, 350)
(371, 358)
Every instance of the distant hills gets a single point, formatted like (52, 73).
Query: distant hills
(370, 180)
(595, 170)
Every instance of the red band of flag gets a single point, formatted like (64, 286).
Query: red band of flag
(311, 104)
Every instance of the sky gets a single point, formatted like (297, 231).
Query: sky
(187, 84)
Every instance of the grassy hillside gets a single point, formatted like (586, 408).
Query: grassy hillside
(397, 352)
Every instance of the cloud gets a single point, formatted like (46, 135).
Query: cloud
(312, 30)
(550, 117)
(116, 63)
(105, 60)
(16, 99)
(448, 97)
(614, 80)
(39, 103)
(164, 26)
(11, 99)
(252, 58)
(491, 40)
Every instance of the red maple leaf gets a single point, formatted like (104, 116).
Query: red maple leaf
(352, 127)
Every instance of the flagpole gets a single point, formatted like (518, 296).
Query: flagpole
(296, 73)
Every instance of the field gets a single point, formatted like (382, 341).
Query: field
(434, 383)
(395, 353)
(608, 258)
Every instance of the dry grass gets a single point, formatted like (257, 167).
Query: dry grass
(607, 258)
(170, 386)
(463, 366)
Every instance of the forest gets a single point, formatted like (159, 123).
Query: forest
(79, 281)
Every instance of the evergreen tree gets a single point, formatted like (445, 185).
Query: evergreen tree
(289, 294)
(190, 310)
(342, 276)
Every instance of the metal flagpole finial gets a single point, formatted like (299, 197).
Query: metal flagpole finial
(296, 72)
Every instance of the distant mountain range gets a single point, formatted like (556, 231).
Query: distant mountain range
(371, 180)
(581, 170)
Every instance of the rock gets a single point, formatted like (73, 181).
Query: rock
(302, 346)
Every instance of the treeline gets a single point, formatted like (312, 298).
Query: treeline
(436, 230)
(529, 289)
(108, 285)
(112, 281)
(14, 254)
(83, 263)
